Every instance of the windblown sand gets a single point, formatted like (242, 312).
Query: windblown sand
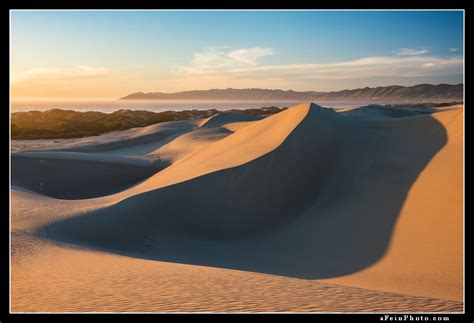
(306, 210)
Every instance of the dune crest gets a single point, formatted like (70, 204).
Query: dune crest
(222, 119)
(233, 150)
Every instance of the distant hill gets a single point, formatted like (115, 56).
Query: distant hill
(394, 93)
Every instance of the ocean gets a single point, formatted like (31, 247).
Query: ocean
(109, 106)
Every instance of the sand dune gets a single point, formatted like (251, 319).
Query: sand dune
(189, 143)
(210, 130)
(356, 198)
(426, 248)
(127, 142)
(384, 112)
(52, 278)
(71, 175)
(222, 119)
(236, 126)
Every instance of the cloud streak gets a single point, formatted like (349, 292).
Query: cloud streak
(362, 68)
(218, 67)
(215, 58)
(225, 66)
(250, 55)
(411, 52)
(78, 71)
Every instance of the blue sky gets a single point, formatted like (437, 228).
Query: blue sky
(113, 53)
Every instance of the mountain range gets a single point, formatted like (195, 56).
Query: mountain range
(394, 93)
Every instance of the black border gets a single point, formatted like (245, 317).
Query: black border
(6, 316)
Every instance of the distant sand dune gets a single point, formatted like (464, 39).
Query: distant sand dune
(367, 197)
(222, 119)
(189, 143)
(126, 143)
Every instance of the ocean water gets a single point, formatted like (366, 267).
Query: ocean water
(162, 105)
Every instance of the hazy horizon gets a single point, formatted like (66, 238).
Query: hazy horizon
(108, 99)
(83, 55)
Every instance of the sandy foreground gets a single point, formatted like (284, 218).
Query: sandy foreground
(310, 209)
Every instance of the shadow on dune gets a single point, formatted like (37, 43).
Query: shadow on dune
(322, 204)
(70, 179)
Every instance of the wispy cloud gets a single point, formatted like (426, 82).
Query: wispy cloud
(250, 55)
(452, 49)
(213, 58)
(230, 67)
(218, 65)
(412, 51)
(368, 67)
(77, 71)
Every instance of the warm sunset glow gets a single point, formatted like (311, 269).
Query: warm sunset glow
(110, 54)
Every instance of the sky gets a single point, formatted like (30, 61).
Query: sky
(110, 54)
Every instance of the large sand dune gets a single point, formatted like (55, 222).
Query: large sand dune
(368, 198)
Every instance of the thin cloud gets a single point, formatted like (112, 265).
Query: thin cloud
(367, 67)
(213, 58)
(250, 55)
(77, 71)
(452, 49)
(411, 52)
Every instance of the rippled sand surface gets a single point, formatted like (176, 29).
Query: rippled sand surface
(47, 277)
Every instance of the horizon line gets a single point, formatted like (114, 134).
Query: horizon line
(209, 89)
